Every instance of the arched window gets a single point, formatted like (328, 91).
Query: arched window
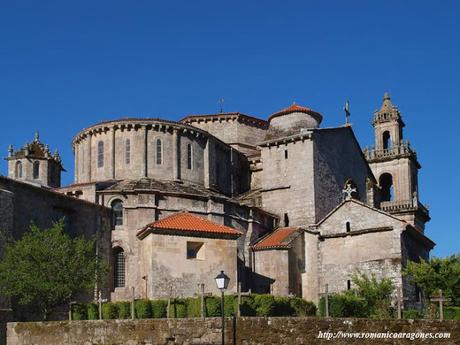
(36, 170)
(117, 210)
(100, 154)
(350, 184)
(18, 170)
(386, 184)
(348, 226)
(387, 144)
(189, 156)
(128, 152)
(118, 267)
(159, 152)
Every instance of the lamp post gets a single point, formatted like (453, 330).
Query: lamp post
(222, 281)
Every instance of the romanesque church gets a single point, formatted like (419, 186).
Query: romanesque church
(283, 205)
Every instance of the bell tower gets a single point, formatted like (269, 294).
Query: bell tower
(35, 164)
(395, 166)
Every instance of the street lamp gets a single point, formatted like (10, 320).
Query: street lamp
(222, 281)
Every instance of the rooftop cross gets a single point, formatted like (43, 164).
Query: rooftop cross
(221, 105)
(346, 108)
(349, 190)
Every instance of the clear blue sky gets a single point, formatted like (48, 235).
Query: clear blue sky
(66, 65)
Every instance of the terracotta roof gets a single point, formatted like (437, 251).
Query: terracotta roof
(189, 224)
(295, 108)
(280, 238)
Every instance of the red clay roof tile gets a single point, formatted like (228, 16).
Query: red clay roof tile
(280, 238)
(188, 223)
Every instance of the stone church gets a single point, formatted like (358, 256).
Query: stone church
(282, 205)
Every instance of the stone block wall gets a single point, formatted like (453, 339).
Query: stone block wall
(241, 331)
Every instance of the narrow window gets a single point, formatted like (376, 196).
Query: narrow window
(128, 152)
(286, 219)
(159, 152)
(117, 210)
(18, 171)
(119, 267)
(285, 154)
(36, 170)
(348, 284)
(348, 226)
(189, 156)
(100, 154)
(195, 250)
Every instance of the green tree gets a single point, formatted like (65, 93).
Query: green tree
(437, 274)
(375, 293)
(47, 268)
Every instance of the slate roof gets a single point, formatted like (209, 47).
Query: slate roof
(188, 224)
(149, 184)
(280, 238)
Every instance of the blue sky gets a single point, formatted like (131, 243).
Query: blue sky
(66, 65)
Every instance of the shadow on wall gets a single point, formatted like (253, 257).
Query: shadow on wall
(262, 284)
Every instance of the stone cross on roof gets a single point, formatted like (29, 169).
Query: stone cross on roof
(349, 190)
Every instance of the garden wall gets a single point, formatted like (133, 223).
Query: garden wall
(246, 330)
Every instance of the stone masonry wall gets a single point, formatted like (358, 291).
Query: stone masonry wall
(247, 331)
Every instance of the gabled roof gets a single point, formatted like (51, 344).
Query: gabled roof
(361, 204)
(188, 224)
(281, 238)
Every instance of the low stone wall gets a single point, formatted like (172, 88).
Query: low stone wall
(244, 331)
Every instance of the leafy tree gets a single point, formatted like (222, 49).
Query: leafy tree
(375, 293)
(437, 274)
(47, 268)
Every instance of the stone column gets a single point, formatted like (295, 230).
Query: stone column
(90, 158)
(144, 153)
(113, 152)
(76, 152)
(176, 155)
(209, 168)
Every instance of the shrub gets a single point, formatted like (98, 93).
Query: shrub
(413, 314)
(264, 305)
(452, 313)
(92, 311)
(193, 307)
(302, 307)
(212, 306)
(79, 312)
(344, 305)
(159, 308)
(230, 305)
(283, 307)
(143, 309)
(375, 293)
(124, 310)
(109, 311)
(247, 306)
(178, 308)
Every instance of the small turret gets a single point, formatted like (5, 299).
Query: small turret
(35, 164)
